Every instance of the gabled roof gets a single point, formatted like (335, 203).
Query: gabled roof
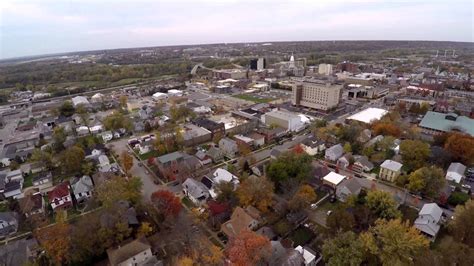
(124, 252)
(428, 219)
(458, 168)
(336, 150)
(391, 165)
(239, 221)
(170, 157)
(61, 190)
(352, 185)
(195, 188)
(83, 184)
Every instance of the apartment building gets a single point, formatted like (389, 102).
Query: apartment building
(316, 94)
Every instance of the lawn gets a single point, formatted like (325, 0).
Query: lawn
(148, 155)
(252, 98)
(186, 201)
(28, 181)
(301, 236)
(408, 213)
(282, 227)
(326, 206)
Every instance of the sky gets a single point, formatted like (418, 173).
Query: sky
(34, 27)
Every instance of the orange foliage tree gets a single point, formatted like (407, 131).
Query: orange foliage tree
(461, 147)
(248, 248)
(56, 241)
(382, 128)
(166, 203)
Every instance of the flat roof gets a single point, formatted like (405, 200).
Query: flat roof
(368, 115)
(334, 178)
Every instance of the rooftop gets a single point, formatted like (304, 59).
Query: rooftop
(448, 122)
(368, 115)
(391, 165)
(334, 178)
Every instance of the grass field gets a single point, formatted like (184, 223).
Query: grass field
(252, 98)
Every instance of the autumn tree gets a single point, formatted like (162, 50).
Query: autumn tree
(123, 99)
(461, 147)
(144, 230)
(67, 109)
(71, 159)
(226, 193)
(428, 180)
(256, 191)
(302, 198)
(382, 204)
(117, 120)
(244, 149)
(59, 137)
(55, 240)
(290, 166)
(119, 188)
(127, 162)
(166, 203)
(414, 153)
(383, 240)
(340, 220)
(386, 129)
(45, 158)
(344, 249)
(461, 226)
(248, 248)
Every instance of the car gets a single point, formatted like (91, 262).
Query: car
(466, 186)
(314, 206)
(329, 213)
(140, 164)
(332, 199)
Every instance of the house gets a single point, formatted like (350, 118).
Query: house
(456, 172)
(13, 189)
(216, 129)
(92, 153)
(258, 139)
(334, 152)
(60, 196)
(344, 161)
(43, 180)
(219, 175)
(362, 164)
(239, 221)
(104, 163)
(96, 129)
(107, 136)
(347, 188)
(196, 191)
(203, 157)
(390, 170)
(333, 179)
(82, 188)
(228, 147)
(8, 223)
(169, 164)
(80, 100)
(82, 131)
(15, 175)
(313, 146)
(428, 221)
(137, 253)
(32, 204)
(272, 134)
(364, 136)
(311, 257)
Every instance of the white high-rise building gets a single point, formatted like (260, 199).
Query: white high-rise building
(325, 69)
(316, 94)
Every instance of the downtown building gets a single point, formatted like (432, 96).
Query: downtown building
(316, 94)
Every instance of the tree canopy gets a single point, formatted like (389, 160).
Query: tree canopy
(382, 204)
(414, 153)
(290, 166)
(256, 191)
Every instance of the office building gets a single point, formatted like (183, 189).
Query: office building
(258, 63)
(325, 69)
(316, 94)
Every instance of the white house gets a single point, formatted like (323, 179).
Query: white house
(82, 131)
(96, 129)
(174, 92)
(456, 172)
(159, 96)
(107, 136)
(137, 252)
(428, 221)
(333, 153)
(196, 191)
(333, 179)
(310, 256)
(228, 147)
(221, 175)
(82, 188)
(78, 100)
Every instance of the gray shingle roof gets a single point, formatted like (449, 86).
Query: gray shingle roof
(448, 122)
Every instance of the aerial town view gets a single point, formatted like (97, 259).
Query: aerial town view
(143, 133)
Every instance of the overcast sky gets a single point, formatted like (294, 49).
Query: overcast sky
(33, 27)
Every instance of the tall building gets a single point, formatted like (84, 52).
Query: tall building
(325, 69)
(258, 63)
(316, 94)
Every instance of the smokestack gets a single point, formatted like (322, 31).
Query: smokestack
(437, 52)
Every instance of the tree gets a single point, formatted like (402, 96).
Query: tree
(67, 109)
(127, 162)
(385, 239)
(43, 157)
(145, 229)
(344, 249)
(447, 252)
(414, 153)
(244, 149)
(119, 188)
(56, 241)
(116, 121)
(461, 147)
(71, 159)
(290, 166)
(248, 248)
(461, 226)
(87, 168)
(457, 198)
(213, 256)
(148, 127)
(381, 128)
(123, 99)
(340, 220)
(59, 137)
(166, 203)
(428, 180)
(347, 147)
(256, 191)
(382, 204)
(226, 193)
(303, 198)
